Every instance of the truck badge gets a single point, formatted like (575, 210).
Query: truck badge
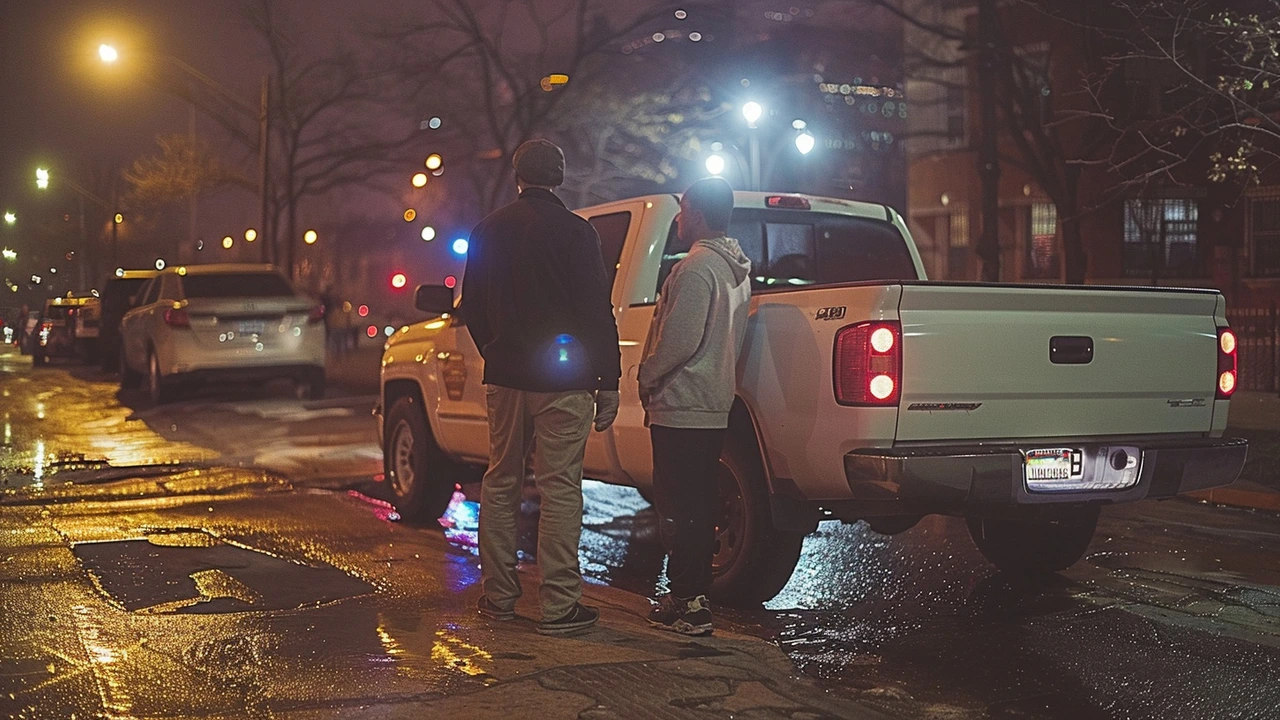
(830, 313)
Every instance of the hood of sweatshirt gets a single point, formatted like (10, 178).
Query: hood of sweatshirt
(729, 249)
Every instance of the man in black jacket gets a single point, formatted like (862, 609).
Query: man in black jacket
(536, 301)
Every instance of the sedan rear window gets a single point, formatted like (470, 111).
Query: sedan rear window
(237, 285)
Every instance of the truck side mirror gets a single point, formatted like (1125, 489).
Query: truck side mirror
(434, 299)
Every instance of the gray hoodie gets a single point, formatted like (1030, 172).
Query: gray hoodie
(688, 371)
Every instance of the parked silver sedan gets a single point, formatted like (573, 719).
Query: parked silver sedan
(222, 323)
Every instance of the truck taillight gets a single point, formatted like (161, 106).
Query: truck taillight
(177, 317)
(1228, 369)
(868, 364)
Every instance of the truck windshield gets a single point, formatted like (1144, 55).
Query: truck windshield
(799, 248)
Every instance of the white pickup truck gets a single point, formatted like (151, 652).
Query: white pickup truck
(867, 393)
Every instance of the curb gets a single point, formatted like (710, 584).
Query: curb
(1236, 497)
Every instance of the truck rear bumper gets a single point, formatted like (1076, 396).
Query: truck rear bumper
(978, 476)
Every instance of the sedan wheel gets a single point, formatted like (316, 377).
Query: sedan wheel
(158, 387)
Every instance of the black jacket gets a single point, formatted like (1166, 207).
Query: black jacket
(535, 298)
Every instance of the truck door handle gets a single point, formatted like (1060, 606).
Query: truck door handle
(1070, 350)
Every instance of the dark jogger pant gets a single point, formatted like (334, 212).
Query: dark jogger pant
(685, 468)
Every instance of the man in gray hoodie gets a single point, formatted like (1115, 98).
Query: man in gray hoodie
(687, 384)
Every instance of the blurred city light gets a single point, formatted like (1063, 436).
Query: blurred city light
(410, 214)
(10, 255)
(389, 331)
(42, 178)
(363, 311)
(450, 281)
(434, 161)
(159, 263)
(120, 272)
(227, 242)
(309, 237)
(799, 124)
(715, 164)
(250, 235)
(419, 180)
(371, 331)
(108, 53)
(119, 218)
(752, 111)
(460, 246)
(804, 142)
(399, 280)
(434, 123)
(428, 233)
(10, 218)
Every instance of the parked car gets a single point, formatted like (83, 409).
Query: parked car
(868, 393)
(118, 293)
(61, 330)
(222, 323)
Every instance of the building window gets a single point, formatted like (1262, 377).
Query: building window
(958, 245)
(1264, 232)
(1160, 238)
(1042, 242)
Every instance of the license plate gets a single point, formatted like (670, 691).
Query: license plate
(254, 326)
(1054, 464)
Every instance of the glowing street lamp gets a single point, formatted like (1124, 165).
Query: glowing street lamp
(309, 237)
(10, 218)
(10, 255)
(715, 164)
(805, 142)
(42, 178)
(108, 53)
(752, 111)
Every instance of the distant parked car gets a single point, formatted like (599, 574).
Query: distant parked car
(61, 332)
(117, 294)
(222, 323)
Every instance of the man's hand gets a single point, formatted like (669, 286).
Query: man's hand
(606, 409)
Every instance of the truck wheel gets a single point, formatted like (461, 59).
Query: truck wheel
(129, 379)
(1035, 547)
(753, 559)
(420, 476)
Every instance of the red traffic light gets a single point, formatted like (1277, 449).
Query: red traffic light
(450, 281)
(399, 280)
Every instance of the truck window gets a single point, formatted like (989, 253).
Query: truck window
(799, 248)
(612, 229)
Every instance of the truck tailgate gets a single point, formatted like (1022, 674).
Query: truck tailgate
(977, 365)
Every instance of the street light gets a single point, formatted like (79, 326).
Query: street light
(10, 218)
(715, 164)
(805, 142)
(752, 111)
(42, 178)
(110, 55)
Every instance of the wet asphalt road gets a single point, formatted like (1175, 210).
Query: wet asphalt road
(1175, 612)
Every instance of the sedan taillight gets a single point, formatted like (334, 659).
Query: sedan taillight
(177, 317)
(1228, 367)
(868, 364)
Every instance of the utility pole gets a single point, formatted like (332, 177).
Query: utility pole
(988, 149)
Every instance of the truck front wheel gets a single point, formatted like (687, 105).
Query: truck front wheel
(1047, 544)
(753, 559)
(420, 476)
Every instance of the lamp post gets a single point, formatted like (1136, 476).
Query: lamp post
(110, 55)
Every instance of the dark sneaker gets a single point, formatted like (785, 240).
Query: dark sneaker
(580, 617)
(492, 611)
(686, 616)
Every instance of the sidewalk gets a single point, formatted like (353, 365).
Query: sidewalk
(1254, 416)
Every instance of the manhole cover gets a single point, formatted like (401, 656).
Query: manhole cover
(190, 571)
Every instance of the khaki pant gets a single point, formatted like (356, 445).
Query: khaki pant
(556, 425)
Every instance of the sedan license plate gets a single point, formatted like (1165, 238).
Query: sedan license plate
(1054, 464)
(252, 326)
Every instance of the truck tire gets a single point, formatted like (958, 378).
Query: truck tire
(1040, 546)
(753, 559)
(421, 478)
